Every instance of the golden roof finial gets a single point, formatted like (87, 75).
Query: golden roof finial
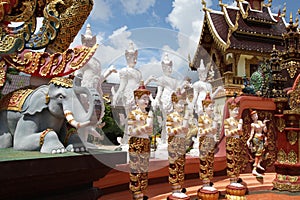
(291, 17)
(283, 10)
(269, 4)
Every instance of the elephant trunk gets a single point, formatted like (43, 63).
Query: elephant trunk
(70, 118)
(90, 102)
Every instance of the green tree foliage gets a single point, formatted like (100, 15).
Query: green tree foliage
(111, 128)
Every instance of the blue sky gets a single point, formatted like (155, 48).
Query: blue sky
(155, 27)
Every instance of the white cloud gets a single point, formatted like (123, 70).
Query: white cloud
(101, 10)
(137, 6)
(112, 51)
(187, 17)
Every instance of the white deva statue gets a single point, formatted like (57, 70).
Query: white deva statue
(130, 78)
(166, 85)
(90, 76)
(201, 87)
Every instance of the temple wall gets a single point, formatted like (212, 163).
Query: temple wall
(241, 66)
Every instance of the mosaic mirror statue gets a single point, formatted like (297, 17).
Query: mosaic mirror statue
(130, 78)
(140, 127)
(207, 143)
(233, 129)
(177, 129)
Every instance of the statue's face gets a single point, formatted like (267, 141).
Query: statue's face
(234, 112)
(131, 58)
(142, 102)
(254, 117)
(167, 69)
(202, 75)
(209, 110)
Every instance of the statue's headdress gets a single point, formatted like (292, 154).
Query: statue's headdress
(167, 61)
(62, 81)
(233, 104)
(252, 112)
(141, 90)
(176, 96)
(207, 100)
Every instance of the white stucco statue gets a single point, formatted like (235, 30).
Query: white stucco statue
(130, 78)
(91, 76)
(166, 85)
(200, 88)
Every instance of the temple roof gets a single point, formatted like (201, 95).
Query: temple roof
(251, 30)
(242, 28)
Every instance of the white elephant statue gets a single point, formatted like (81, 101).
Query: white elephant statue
(45, 119)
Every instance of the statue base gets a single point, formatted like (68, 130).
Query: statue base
(171, 197)
(205, 194)
(29, 175)
(287, 183)
(235, 192)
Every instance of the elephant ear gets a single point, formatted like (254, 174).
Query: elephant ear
(36, 102)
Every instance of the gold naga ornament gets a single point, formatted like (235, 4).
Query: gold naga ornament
(62, 20)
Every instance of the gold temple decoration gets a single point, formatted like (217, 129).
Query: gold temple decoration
(293, 179)
(292, 157)
(281, 156)
(15, 100)
(292, 137)
(291, 67)
(280, 124)
(61, 81)
(281, 177)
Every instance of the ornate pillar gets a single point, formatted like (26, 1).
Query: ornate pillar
(287, 166)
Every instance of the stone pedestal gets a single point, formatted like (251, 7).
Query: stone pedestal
(36, 176)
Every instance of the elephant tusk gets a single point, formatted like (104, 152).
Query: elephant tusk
(70, 118)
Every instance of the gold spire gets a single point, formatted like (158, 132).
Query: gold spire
(291, 18)
(269, 4)
(283, 10)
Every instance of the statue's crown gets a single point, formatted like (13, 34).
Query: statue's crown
(166, 60)
(176, 96)
(62, 81)
(233, 104)
(207, 100)
(141, 90)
